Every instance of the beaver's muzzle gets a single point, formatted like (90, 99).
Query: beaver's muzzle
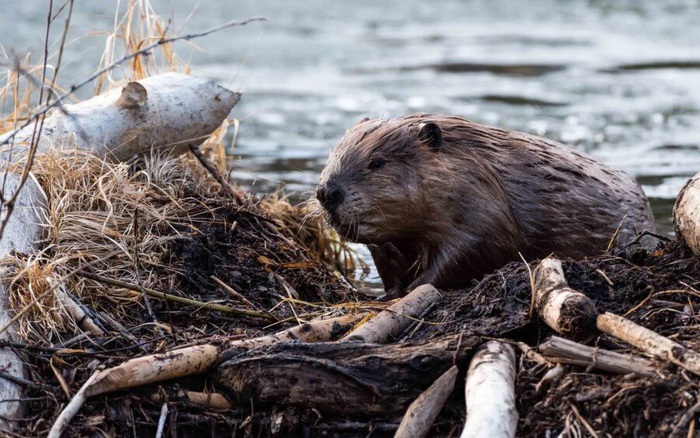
(330, 195)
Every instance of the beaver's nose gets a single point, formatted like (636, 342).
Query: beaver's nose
(330, 195)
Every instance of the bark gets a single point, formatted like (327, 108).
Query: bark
(490, 393)
(566, 311)
(346, 379)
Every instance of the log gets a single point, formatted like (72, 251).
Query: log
(424, 410)
(343, 379)
(393, 321)
(564, 351)
(167, 113)
(490, 393)
(566, 311)
(23, 233)
(649, 341)
(686, 214)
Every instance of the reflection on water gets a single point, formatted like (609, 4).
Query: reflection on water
(619, 79)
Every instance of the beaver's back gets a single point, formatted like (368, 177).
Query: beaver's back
(564, 200)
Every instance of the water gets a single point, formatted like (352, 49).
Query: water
(618, 79)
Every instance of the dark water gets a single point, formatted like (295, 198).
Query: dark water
(619, 79)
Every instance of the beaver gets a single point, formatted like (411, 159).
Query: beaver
(440, 199)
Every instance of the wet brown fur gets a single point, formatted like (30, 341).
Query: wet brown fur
(448, 216)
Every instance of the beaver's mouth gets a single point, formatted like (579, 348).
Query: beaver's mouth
(348, 230)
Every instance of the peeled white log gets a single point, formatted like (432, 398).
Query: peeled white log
(490, 393)
(419, 417)
(390, 323)
(167, 112)
(686, 214)
(565, 310)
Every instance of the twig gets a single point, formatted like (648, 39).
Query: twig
(177, 299)
(161, 420)
(232, 291)
(225, 185)
(71, 409)
(686, 418)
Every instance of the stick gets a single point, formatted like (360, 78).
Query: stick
(161, 420)
(424, 410)
(72, 408)
(560, 350)
(315, 331)
(390, 323)
(649, 341)
(177, 299)
(565, 310)
(225, 185)
(490, 393)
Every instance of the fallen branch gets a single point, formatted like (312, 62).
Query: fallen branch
(566, 311)
(564, 351)
(390, 323)
(424, 410)
(649, 341)
(212, 400)
(340, 378)
(490, 392)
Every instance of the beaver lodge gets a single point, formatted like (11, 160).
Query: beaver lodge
(145, 294)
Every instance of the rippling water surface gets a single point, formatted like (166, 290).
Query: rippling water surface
(619, 79)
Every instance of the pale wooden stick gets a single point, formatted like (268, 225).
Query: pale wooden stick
(72, 408)
(390, 323)
(490, 393)
(315, 331)
(560, 350)
(649, 341)
(565, 310)
(421, 414)
(686, 214)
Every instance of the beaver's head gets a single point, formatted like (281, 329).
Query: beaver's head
(374, 188)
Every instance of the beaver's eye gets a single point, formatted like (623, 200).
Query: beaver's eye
(375, 164)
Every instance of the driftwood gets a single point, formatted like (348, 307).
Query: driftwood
(564, 351)
(649, 341)
(424, 410)
(686, 214)
(566, 311)
(341, 378)
(490, 392)
(392, 322)
(167, 113)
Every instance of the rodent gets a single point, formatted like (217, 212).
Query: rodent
(440, 199)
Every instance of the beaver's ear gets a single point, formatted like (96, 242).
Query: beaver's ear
(431, 134)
